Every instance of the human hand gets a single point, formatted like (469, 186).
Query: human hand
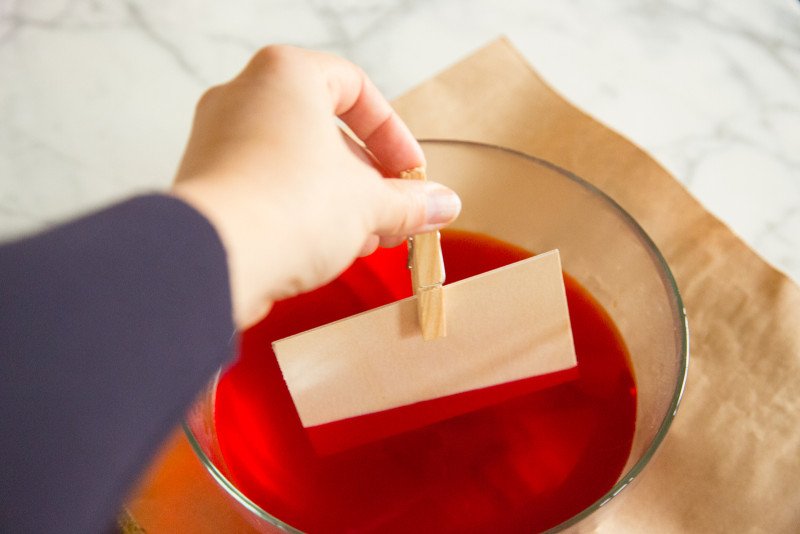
(293, 199)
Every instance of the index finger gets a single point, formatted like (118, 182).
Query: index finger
(360, 105)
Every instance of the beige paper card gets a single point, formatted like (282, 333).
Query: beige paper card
(504, 325)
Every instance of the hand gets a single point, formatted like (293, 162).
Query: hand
(293, 199)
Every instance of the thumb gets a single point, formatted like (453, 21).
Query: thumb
(414, 207)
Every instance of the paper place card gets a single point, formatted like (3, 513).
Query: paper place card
(505, 325)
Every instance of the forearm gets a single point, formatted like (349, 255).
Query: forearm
(109, 326)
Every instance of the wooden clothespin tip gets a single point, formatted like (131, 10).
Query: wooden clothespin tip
(427, 275)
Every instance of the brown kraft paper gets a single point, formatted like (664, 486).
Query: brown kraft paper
(731, 462)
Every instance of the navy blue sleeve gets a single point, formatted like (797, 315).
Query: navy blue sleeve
(109, 327)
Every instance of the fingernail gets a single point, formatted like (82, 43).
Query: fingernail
(442, 205)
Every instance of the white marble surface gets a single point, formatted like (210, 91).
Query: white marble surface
(96, 97)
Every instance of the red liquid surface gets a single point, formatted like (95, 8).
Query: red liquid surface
(521, 465)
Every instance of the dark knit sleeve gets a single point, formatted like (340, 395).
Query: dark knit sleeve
(109, 327)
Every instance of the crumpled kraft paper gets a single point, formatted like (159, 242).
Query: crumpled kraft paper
(731, 461)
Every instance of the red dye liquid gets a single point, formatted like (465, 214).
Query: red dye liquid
(518, 466)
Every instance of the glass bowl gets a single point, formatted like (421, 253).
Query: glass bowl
(538, 206)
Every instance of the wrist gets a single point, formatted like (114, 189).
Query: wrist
(249, 302)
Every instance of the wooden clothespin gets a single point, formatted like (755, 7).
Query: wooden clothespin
(427, 275)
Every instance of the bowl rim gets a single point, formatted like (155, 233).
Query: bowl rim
(626, 478)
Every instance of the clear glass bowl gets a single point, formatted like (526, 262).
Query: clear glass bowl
(539, 206)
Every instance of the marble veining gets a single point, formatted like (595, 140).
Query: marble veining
(96, 96)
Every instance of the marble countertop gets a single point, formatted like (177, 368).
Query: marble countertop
(96, 96)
